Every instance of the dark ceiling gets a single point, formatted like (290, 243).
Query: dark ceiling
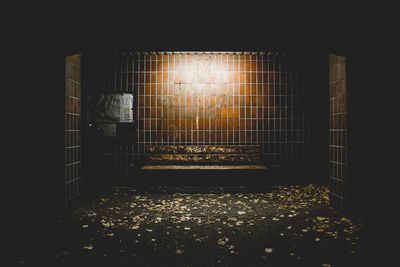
(332, 27)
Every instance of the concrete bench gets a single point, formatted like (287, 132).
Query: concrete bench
(203, 157)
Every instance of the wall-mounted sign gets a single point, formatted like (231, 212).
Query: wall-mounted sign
(113, 108)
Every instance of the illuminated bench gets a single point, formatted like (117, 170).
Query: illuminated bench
(203, 157)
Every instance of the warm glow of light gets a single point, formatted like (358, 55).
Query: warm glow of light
(201, 70)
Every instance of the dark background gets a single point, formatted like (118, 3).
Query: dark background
(36, 38)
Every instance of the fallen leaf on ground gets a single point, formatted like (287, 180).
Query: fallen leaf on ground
(345, 220)
(179, 251)
(222, 241)
(268, 250)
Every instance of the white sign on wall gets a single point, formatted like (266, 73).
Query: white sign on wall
(113, 108)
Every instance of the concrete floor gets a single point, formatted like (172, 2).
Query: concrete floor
(284, 226)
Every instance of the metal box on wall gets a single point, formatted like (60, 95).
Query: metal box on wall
(112, 114)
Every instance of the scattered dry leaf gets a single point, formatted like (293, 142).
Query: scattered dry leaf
(345, 220)
(88, 247)
(268, 250)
